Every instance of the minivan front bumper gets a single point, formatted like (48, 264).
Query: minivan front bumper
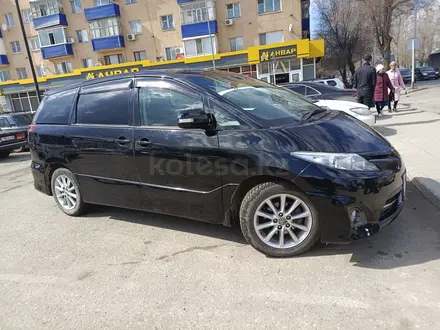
(378, 198)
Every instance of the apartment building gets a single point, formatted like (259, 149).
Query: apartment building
(71, 40)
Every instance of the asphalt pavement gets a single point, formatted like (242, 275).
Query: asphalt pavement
(124, 269)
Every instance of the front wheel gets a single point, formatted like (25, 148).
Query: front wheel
(65, 189)
(278, 220)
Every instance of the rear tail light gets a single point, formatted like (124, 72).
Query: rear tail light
(32, 128)
(20, 136)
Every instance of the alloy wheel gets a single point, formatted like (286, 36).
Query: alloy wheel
(65, 192)
(283, 221)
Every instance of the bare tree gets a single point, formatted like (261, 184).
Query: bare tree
(342, 27)
(382, 13)
(426, 34)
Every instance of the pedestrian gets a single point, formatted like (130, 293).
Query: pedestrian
(399, 86)
(364, 81)
(381, 96)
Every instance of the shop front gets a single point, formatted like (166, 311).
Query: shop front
(280, 63)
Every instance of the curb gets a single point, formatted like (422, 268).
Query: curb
(421, 186)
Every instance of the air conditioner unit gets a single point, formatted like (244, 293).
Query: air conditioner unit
(70, 40)
(131, 36)
(179, 50)
(229, 21)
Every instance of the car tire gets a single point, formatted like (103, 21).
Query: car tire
(264, 233)
(4, 154)
(66, 192)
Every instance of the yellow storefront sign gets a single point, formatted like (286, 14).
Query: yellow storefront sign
(267, 55)
(102, 74)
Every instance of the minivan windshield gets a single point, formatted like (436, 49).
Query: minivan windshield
(270, 105)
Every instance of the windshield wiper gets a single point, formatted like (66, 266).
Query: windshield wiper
(309, 115)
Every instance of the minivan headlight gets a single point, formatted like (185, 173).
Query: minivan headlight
(361, 111)
(349, 162)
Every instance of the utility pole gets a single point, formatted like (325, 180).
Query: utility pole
(413, 73)
(210, 36)
(31, 62)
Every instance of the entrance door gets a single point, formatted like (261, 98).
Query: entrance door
(295, 76)
(178, 169)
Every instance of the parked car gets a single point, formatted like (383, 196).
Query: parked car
(315, 91)
(334, 101)
(406, 75)
(425, 73)
(13, 132)
(217, 147)
(332, 82)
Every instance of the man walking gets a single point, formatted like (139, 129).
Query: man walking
(365, 82)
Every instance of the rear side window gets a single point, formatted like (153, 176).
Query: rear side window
(104, 108)
(55, 109)
(300, 89)
(22, 120)
(4, 123)
(331, 83)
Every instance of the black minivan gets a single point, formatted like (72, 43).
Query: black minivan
(221, 148)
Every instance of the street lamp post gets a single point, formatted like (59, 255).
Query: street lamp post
(210, 37)
(413, 73)
(28, 51)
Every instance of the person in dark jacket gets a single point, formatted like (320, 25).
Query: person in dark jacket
(365, 81)
(381, 96)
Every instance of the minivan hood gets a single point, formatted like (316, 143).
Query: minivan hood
(338, 133)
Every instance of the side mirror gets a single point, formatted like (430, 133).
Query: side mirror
(193, 119)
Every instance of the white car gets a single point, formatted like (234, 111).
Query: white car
(334, 82)
(357, 110)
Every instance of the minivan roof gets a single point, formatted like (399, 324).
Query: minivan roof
(171, 73)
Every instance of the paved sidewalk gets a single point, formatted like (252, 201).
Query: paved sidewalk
(415, 133)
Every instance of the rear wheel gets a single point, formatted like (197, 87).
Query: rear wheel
(279, 220)
(4, 154)
(65, 189)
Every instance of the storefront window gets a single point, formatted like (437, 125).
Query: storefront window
(295, 64)
(25, 102)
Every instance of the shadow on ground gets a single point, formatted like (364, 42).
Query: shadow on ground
(414, 238)
(16, 157)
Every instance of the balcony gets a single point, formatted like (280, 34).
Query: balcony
(49, 52)
(199, 29)
(110, 10)
(49, 20)
(4, 60)
(108, 43)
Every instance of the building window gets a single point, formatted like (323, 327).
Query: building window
(22, 73)
(42, 8)
(170, 53)
(40, 71)
(9, 19)
(83, 36)
(87, 62)
(196, 12)
(35, 44)
(167, 22)
(15, 45)
(75, 5)
(271, 37)
(198, 47)
(4, 76)
(63, 67)
(52, 37)
(127, 2)
(24, 102)
(106, 27)
(305, 9)
(237, 44)
(268, 6)
(27, 15)
(233, 10)
(135, 27)
(113, 59)
(140, 55)
(102, 2)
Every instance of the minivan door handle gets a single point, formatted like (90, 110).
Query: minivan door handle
(122, 141)
(143, 142)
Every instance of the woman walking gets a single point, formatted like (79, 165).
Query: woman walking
(383, 83)
(397, 82)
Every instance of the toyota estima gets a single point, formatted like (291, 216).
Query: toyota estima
(220, 148)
